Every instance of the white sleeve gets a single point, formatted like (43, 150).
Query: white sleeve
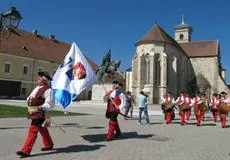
(177, 100)
(163, 100)
(49, 101)
(227, 100)
(123, 103)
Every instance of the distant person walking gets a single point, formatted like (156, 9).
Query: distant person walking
(129, 104)
(143, 107)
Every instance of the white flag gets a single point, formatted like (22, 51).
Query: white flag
(72, 77)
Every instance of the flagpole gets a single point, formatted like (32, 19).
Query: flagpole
(59, 127)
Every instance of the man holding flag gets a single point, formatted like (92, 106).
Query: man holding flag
(39, 102)
(71, 78)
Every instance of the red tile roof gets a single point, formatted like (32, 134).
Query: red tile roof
(201, 48)
(26, 44)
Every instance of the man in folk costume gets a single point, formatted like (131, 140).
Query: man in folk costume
(181, 101)
(188, 110)
(168, 103)
(197, 110)
(204, 106)
(40, 102)
(223, 108)
(214, 103)
(116, 104)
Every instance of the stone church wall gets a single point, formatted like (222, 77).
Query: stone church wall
(208, 68)
(177, 70)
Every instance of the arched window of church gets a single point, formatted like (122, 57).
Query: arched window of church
(181, 36)
(178, 73)
(157, 69)
(168, 70)
(143, 70)
(147, 58)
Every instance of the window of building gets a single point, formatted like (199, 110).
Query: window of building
(181, 36)
(7, 67)
(147, 69)
(168, 70)
(23, 91)
(157, 69)
(178, 73)
(25, 70)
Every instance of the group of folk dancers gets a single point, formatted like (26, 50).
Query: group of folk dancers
(41, 102)
(218, 104)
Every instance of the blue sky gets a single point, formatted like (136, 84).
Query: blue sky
(99, 25)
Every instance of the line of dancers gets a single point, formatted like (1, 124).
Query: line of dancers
(219, 104)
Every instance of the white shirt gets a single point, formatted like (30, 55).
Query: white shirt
(49, 103)
(168, 99)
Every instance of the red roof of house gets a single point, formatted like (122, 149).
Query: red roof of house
(201, 48)
(26, 44)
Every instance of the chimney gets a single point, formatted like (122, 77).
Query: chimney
(35, 32)
(52, 37)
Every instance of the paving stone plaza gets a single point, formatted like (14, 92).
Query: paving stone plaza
(84, 138)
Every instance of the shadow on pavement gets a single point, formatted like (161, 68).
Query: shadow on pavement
(61, 125)
(191, 123)
(208, 124)
(95, 127)
(126, 135)
(155, 123)
(70, 124)
(70, 149)
(5, 128)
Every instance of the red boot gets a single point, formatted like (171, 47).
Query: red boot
(198, 120)
(168, 118)
(182, 118)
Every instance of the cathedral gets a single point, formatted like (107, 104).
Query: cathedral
(162, 64)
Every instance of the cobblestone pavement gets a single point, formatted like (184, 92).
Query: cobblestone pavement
(84, 139)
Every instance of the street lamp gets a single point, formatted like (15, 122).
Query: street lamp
(10, 19)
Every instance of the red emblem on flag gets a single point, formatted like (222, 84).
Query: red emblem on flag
(79, 71)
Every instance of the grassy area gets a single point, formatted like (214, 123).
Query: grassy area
(7, 111)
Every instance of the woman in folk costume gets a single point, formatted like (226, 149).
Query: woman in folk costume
(223, 108)
(168, 104)
(40, 101)
(188, 110)
(214, 106)
(116, 104)
(197, 110)
(181, 101)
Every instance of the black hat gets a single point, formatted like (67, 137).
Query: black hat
(142, 92)
(223, 92)
(45, 74)
(120, 84)
(114, 82)
(169, 93)
(198, 92)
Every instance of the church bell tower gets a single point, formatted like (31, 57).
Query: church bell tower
(183, 32)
